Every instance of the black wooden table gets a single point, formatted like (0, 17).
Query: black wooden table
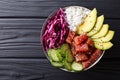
(21, 55)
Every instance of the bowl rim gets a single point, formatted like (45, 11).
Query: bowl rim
(41, 33)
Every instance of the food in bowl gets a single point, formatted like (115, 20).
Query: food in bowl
(74, 38)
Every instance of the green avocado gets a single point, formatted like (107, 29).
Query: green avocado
(102, 32)
(88, 23)
(106, 38)
(103, 45)
(97, 26)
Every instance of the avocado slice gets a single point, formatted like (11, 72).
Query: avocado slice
(106, 38)
(89, 22)
(103, 45)
(102, 32)
(97, 26)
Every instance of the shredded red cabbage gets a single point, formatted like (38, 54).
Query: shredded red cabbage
(56, 31)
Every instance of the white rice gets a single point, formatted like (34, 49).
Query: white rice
(75, 16)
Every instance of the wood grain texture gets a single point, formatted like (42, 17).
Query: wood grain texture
(42, 8)
(21, 38)
(21, 55)
(40, 69)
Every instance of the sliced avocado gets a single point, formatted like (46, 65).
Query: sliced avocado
(89, 22)
(103, 45)
(98, 26)
(106, 38)
(102, 32)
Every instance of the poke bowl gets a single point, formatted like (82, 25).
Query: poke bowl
(74, 39)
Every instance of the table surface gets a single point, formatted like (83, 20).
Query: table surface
(21, 55)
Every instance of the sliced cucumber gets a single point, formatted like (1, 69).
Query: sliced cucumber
(64, 48)
(77, 66)
(60, 57)
(57, 64)
(49, 52)
(67, 65)
(69, 56)
(54, 55)
(59, 50)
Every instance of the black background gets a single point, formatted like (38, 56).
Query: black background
(21, 55)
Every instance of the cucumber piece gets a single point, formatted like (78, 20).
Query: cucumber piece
(49, 52)
(67, 65)
(57, 64)
(69, 56)
(64, 48)
(77, 66)
(60, 57)
(54, 55)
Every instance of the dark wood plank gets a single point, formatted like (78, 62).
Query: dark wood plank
(113, 25)
(21, 38)
(41, 8)
(21, 55)
(40, 69)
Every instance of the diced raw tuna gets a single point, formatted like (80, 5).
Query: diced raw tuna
(71, 34)
(86, 64)
(80, 39)
(90, 42)
(81, 57)
(70, 37)
(82, 48)
(95, 55)
(73, 51)
(69, 40)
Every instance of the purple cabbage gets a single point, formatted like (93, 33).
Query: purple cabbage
(55, 31)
